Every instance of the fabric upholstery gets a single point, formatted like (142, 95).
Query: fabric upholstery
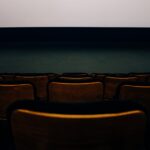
(34, 130)
(111, 84)
(10, 93)
(40, 83)
(75, 92)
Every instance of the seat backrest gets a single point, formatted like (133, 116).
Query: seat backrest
(138, 92)
(111, 84)
(128, 92)
(148, 79)
(98, 76)
(11, 92)
(52, 76)
(8, 77)
(73, 79)
(40, 83)
(74, 74)
(142, 77)
(1, 78)
(75, 92)
(33, 130)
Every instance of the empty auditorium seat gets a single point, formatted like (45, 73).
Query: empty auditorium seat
(10, 92)
(138, 92)
(133, 90)
(111, 83)
(76, 91)
(74, 79)
(142, 76)
(8, 77)
(148, 79)
(98, 76)
(52, 76)
(74, 74)
(1, 78)
(13, 91)
(38, 129)
(39, 81)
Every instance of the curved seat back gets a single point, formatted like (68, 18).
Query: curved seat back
(75, 74)
(75, 92)
(1, 78)
(36, 130)
(135, 91)
(111, 84)
(11, 92)
(39, 81)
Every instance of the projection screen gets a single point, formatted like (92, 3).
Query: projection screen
(75, 13)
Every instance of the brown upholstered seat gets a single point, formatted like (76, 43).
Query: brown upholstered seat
(148, 79)
(34, 130)
(8, 77)
(74, 74)
(129, 92)
(75, 92)
(74, 79)
(39, 81)
(1, 78)
(11, 92)
(98, 76)
(111, 84)
(52, 76)
(142, 77)
(136, 91)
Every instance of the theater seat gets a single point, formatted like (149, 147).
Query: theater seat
(8, 77)
(99, 76)
(39, 81)
(75, 91)
(135, 91)
(52, 76)
(111, 83)
(73, 79)
(74, 74)
(148, 79)
(10, 92)
(34, 129)
(13, 91)
(1, 78)
(142, 77)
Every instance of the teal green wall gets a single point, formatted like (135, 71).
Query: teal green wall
(73, 59)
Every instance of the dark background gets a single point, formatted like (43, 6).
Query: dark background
(60, 50)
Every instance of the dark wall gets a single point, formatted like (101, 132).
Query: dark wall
(70, 59)
(75, 54)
